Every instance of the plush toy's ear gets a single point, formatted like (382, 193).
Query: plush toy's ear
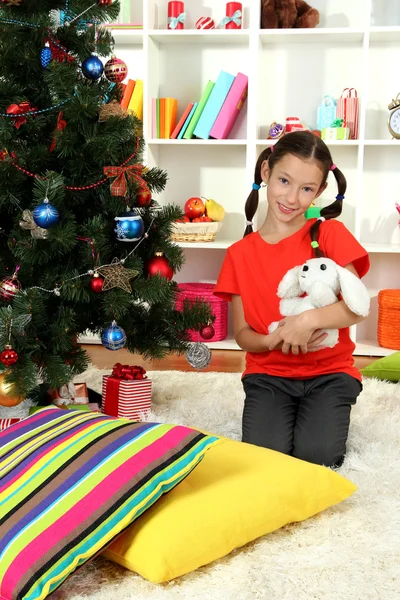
(354, 292)
(289, 287)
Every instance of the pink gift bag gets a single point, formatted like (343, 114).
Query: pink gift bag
(347, 109)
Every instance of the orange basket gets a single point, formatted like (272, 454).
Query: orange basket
(389, 319)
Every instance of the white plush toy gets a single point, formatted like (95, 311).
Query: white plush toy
(322, 280)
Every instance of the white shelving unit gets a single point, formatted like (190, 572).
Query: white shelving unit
(357, 44)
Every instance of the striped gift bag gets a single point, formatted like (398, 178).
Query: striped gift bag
(347, 109)
(125, 396)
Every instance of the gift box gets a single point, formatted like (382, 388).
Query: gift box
(335, 133)
(126, 392)
(70, 393)
(4, 423)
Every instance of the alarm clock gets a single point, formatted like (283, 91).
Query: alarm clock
(394, 118)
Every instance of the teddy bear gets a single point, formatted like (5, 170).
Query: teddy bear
(317, 283)
(286, 14)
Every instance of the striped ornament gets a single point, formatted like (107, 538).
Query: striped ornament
(134, 398)
(71, 481)
(4, 423)
(8, 288)
(205, 23)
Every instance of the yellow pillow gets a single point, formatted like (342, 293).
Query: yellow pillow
(238, 493)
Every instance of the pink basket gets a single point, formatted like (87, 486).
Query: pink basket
(219, 308)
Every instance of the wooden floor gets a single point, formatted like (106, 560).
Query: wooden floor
(225, 361)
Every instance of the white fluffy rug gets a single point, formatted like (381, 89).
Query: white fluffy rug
(350, 552)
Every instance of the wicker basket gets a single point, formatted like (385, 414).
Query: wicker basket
(389, 319)
(195, 232)
(219, 308)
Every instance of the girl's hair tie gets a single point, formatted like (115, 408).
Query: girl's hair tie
(249, 222)
(332, 167)
(271, 148)
(315, 244)
(321, 219)
(256, 186)
(339, 197)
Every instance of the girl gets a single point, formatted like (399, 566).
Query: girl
(296, 401)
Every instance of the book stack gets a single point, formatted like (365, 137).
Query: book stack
(132, 100)
(212, 116)
(163, 117)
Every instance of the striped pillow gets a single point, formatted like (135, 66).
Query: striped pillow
(71, 481)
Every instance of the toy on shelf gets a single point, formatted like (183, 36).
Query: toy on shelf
(176, 15)
(276, 131)
(287, 14)
(201, 221)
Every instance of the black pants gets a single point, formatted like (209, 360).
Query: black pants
(307, 418)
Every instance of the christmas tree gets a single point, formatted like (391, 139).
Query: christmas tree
(83, 245)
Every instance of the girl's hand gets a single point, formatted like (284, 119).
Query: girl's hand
(298, 335)
(275, 341)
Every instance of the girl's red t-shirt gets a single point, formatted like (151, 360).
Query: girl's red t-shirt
(254, 268)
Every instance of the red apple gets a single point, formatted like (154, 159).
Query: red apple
(206, 220)
(197, 220)
(194, 208)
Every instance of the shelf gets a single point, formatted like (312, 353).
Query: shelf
(227, 344)
(217, 245)
(267, 142)
(322, 35)
(371, 348)
(128, 37)
(381, 248)
(385, 34)
(196, 142)
(382, 142)
(200, 37)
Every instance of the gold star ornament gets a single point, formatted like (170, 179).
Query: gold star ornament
(117, 276)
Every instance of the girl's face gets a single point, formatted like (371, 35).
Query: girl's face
(293, 184)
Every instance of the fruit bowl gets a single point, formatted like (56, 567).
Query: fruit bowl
(195, 232)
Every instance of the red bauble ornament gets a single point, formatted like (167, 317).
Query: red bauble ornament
(115, 70)
(105, 2)
(96, 284)
(9, 286)
(143, 196)
(207, 332)
(205, 23)
(159, 265)
(8, 357)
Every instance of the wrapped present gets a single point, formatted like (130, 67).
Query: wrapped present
(347, 109)
(126, 392)
(336, 131)
(326, 112)
(70, 393)
(4, 423)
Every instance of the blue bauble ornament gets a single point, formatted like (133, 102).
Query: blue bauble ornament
(46, 215)
(46, 56)
(130, 227)
(113, 337)
(92, 67)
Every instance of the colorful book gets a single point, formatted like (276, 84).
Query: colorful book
(153, 109)
(197, 114)
(231, 108)
(162, 118)
(158, 118)
(189, 118)
(136, 101)
(181, 121)
(213, 105)
(126, 98)
(171, 107)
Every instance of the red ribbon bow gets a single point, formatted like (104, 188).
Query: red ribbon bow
(128, 372)
(61, 124)
(119, 187)
(17, 109)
